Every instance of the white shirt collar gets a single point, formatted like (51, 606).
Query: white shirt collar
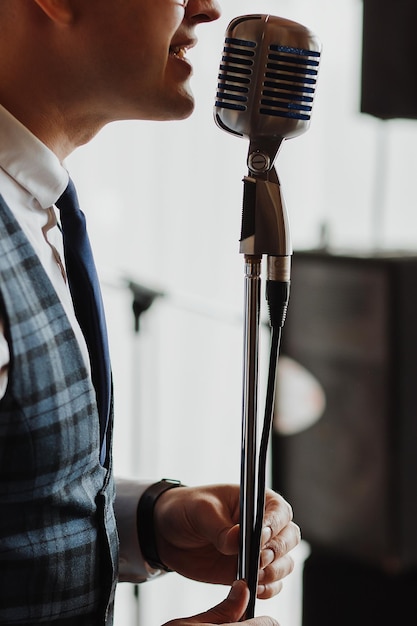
(30, 162)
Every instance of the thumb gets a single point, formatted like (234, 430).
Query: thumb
(229, 611)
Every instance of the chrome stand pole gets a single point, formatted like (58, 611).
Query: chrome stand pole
(249, 411)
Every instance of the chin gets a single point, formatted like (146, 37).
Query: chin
(180, 108)
(176, 107)
(179, 105)
(183, 115)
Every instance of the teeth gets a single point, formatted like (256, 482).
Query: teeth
(179, 52)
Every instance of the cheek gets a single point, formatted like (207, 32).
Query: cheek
(159, 18)
(135, 46)
(151, 43)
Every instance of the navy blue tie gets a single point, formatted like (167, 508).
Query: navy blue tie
(88, 305)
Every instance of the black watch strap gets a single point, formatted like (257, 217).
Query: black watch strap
(145, 521)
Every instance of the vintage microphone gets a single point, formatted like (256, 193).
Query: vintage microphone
(265, 93)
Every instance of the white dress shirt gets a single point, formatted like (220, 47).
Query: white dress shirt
(31, 180)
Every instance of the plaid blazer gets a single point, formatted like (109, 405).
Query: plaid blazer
(58, 539)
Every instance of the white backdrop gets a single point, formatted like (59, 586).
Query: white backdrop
(164, 203)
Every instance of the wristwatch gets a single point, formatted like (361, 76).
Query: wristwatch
(145, 521)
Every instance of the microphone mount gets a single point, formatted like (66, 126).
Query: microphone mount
(265, 223)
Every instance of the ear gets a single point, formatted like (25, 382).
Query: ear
(57, 10)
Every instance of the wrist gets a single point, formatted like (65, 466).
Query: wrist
(145, 520)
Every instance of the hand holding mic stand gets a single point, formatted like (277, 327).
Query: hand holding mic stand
(267, 79)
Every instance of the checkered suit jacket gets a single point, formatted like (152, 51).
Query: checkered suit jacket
(58, 541)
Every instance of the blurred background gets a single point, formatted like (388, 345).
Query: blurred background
(163, 202)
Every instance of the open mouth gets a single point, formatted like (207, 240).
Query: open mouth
(178, 51)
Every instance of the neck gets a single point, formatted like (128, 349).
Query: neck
(58, 126)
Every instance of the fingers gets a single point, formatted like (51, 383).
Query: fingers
(275, 561)
(270, 578)
(280, 535)
(279, 545)
(278, 514)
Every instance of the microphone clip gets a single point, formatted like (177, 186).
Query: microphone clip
(265, 224)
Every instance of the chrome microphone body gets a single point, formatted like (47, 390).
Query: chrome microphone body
(267, 82)
(266, 86)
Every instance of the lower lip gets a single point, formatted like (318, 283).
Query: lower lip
(182, 60)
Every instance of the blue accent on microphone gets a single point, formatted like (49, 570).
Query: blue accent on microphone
(292, 50)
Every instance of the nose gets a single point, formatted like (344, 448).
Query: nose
(203, 10)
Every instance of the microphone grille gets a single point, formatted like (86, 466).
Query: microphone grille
(290, 82)
(288, 85)
(235, 74)
(268, 72)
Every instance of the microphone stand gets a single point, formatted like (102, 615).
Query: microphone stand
(249, 414)
(265, 230)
